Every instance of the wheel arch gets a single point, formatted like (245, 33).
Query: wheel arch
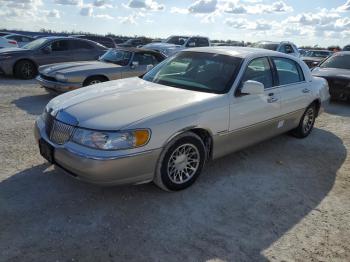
(24, 59)
(97, 75)
(317, 103)
(204, 134)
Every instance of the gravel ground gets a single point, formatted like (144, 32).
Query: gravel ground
(282, 200)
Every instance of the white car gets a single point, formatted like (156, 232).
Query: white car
(5, 43)
(175, 44)
(21, 40)
(196, 106)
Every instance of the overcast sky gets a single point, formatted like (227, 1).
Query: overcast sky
(322, 22)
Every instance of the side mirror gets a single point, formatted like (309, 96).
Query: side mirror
(191, 44)
(47, 50)
(134, 64)
(251, 87)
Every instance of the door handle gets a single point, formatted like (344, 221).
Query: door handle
(272, 99)
(305, 90)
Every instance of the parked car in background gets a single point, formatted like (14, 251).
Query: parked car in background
(105, 41)
(283, 47)
(135, 42)
(174, 44)
(313, 57)
(346, 48)
(198, 105)
(21, 40)
(7, 43)
(4, 33)
(24, 62)
(302, 51)
(336, 70)
(114, 64)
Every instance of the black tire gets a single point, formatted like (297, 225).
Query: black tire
(164, 179)
(25, 69)
(92, 80)
(306, 123)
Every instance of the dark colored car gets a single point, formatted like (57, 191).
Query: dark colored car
(135, 42)
(313, 57)
(24, 62)
(336, 70)
(346, 48)
(106, 41)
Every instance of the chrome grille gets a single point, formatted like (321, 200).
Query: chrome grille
(58, 132)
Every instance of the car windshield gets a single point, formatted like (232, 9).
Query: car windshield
(267, 46)
(35, 44)
(204, 72)
(176, 40)
(321, 54)
(340, 61)
(119, 57)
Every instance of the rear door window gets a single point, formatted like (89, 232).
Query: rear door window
(60, 45)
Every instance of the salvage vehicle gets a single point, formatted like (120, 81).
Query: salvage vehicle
(336, 70)
(198, 105)
(174, 44)
(103, 40)
(7, 43)
(346, 48)
(283, 47)
(313, 57)
(114, 64)
(24, 62)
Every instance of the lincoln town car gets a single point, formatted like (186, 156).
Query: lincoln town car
(198, 105)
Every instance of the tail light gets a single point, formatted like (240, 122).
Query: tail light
(12, 42)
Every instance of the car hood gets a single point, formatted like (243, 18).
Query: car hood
(75, 66)
(161, 46)
(13, 50)
(117, 104)
(331, 72)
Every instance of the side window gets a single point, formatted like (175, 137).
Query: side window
(192, 42)
(144, 59)
(203, 42)
(59, 46)
(259, 70)
(288, 71)
(289, 49)
(82, 45)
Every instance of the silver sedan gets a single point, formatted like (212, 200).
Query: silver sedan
(196, 106)
(114, 64)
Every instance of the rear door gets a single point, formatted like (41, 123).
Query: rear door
(82, 50)
(295, 91)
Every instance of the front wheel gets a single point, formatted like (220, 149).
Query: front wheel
(94, 80)
(25, 70)
(306, 123)
(180, 163)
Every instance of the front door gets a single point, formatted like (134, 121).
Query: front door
(254, 117)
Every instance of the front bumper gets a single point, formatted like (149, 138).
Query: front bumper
(58, 86)
(119, 169)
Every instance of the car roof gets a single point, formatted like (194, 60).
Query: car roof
(242, 52)
(342, 53)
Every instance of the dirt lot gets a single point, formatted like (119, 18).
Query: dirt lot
(282, 200)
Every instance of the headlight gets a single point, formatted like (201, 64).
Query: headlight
(111, 140)
(61, 77)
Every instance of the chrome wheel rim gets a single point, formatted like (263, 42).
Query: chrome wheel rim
(183, 163)
(308, 120)
(95, 82)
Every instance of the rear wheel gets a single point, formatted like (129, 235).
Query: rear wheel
(306, 123)
(180, 163)
(94, 80)
(25, 69)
